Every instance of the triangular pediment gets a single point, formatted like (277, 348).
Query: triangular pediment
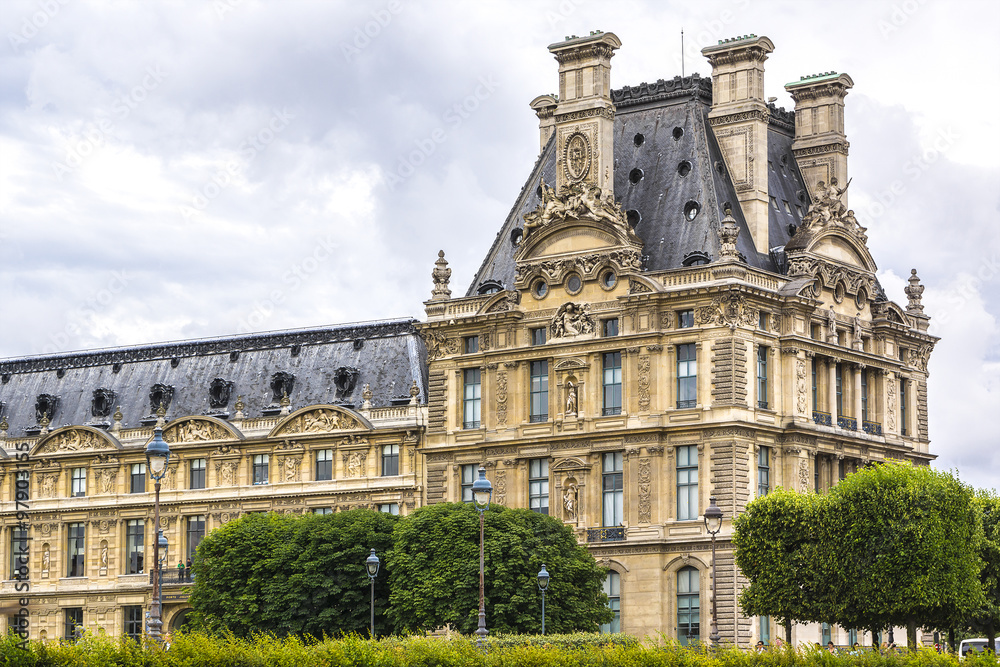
(199, 429)
(75, 439)
(321, 419)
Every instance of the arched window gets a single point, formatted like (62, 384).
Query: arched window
(613, 589)
(688, 605)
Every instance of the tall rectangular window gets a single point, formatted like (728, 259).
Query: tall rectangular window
(469, 473)
(19, 551)
(539, 391)
(765, 630)
(825, 637)
(471, 344)
(762, 321)
(815, 388)
(610, 327)
(197, 473)
(133, 621)
(688, 605)
(472, 398)
(687, 483)
(260, 468)
(687, 376)
(75, 549)
(538, 336)
(195, 533)
(135, 545)
(538, 485)
(612, 379)
(138, 478)
(612, 484)
(390, 460)
(613, 589)
(74, 623)
(840, 390)
(864, 395)
(78, 482)
(763, 471)
(762, 376)
(324, 465)
(903, 430)
(816, 472)
(685, 319)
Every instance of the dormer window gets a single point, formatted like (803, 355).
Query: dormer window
(696, 258)
(489, 287)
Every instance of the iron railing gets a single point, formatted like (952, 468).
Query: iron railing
(613, 534)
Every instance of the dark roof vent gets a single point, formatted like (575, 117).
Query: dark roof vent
(516, 236)
(45, 406)
(281, 385)
(295, 350)
(234, 356)
(684, 168)
(719, 167)
(638, 139)
(102, 402)
(801, 196)
(678, 133)
(60, 372)
(174, 362)
(635, 175)
(691, 210)
(345, 379)
(538, 192)
(633, 217)
(219, 393)
(160, 393)
(359, 343)
(5, 378)
(116, 367)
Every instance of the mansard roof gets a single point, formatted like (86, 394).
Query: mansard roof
(325, 365)
(671, 117)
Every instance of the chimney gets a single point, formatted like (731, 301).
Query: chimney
(545, 107)
(820, 145)
(584, 114)
(739, 119)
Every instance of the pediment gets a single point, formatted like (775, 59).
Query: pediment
(199, 429)
(571, 364)
(833, 244)
(74, 439)
(321, 419)
(570, 464)
(576, 236)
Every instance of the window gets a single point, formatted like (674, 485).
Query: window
(324, 465)
(469, 474)
(390, 460)
(763, 471)
(825, 634)
(539, 391)
(138, 482)
(687, 483)
(610, 327)
(78, 482)
(688, 606)
(687, 378)
(840, 390)
(841, 469)
(133, 621)
(762, 352)
(815, 388)
(75, 549)
(538, 485)
(788, 209)
(816, 472)
(260, 462)
(19, 552)
(135, 545)
(322, 510)
(471, 344)
(852, 637)
(389, 508)
(814, 331)
(774, 203)
(765, 629)
(685, 319)
(612, 384)
(864, 395)
(612, 485)
(762, 321)
(903, 430)
(195, 533)
(74, 623)
(473, 398)
(538, 336)
(613, 589)
(197, 473)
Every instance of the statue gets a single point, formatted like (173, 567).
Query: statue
(569, 500)
(45, 559)
(104, 555)
(827, 206)
(572, 320)
(580, 201)
(570, 399)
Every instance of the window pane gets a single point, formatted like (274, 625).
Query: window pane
(324, 464)
(612, 588)
(688, 605)
(538, 485)
(687, 483)
(469, 474)
(612, 380)
(539, 391)
(390, 460)
(472, 398)
(195, 533)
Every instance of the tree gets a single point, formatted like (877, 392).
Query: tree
(778, 547)
(292, 574)
(435, 572)
(907, 550)
(986, 620)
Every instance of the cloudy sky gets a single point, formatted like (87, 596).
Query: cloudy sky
(175, 170)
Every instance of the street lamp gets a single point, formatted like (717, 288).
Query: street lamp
(157, 457)
(163, 546)
(371, 565)
(482, 490)
(713, 523)
(543, 584)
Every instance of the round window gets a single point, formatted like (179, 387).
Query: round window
(540, 289)
(609, 279)
(574, 284)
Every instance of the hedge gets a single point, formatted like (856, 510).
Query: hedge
(576, 650)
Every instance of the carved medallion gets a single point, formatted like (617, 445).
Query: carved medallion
(577, 157)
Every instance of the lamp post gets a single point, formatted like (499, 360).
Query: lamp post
(371, 565)
(157, 457)
(482, 490)
(543, 584)
(164, 545)
(713, 523)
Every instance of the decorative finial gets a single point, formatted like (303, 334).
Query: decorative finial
(239, 408)
(414, 390)
(286, 404)
(161, 414)
(729, 231)
(441, 275)
(4, 426)
(914, 293)
(366, 396)
(44, 423)
(117, 417)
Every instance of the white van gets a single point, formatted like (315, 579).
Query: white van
(977, 645)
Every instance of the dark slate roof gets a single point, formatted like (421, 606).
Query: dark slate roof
(658, 199)
(388, 356)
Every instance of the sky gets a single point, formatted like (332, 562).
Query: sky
(173, 170)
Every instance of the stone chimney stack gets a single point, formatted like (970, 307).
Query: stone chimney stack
(739, 118)
(820, 146)
(584, 114)
(545, 107)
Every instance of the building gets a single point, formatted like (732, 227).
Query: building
(679, 306)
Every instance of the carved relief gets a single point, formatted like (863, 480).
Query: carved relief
(501, 486)
(730, 309)
(803, 476)
(571, 320)
(320, 420)
(643, 382)
(588, 266)
(645, 509)
(354, 463)
(225, 472)
(195, 430)
(890, 408)
(828, 275)
(105, 479)
(291, 468)
(438, 345)
(800, 387)
(501, 399)
(580, 201)
(47, 482)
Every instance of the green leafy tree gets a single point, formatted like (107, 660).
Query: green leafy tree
(435, 572)
(291, 574)
(986, 621)
(908, 540)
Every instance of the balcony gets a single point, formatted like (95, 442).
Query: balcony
(849, 423)
(822, 418)
(872, 428)
(615, 534)
(174, 575)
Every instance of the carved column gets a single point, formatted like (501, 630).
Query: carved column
(857, 370)
(831, 390)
